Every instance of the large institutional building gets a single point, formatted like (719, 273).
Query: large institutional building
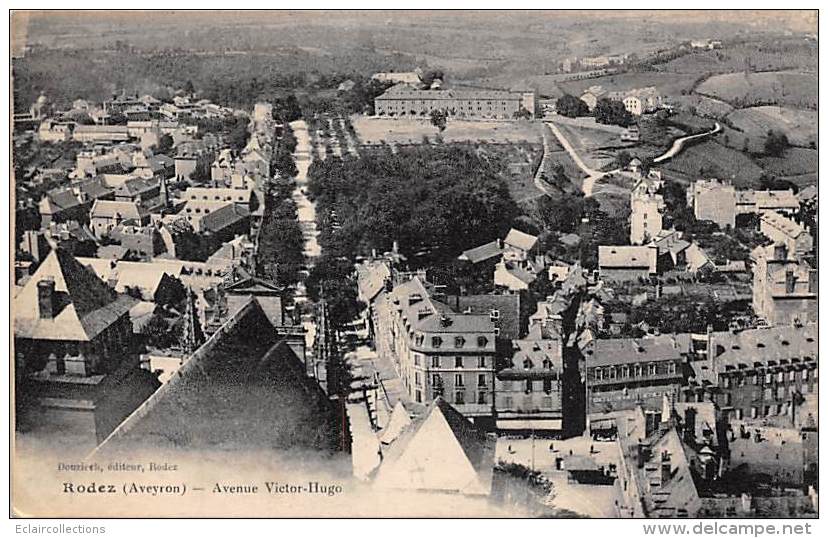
(405, 100)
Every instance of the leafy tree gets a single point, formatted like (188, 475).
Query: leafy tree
(287, 109)
(623, 159)
(776, 143)
(438, 119)
(612, 112)
(571, 106)
(189, 89)
(561, 214)
(165, 143)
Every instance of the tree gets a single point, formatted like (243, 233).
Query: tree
(776, 143)
(438, 119)
(287, 109)
(612, 112)
(571, 106)
(165, 143)
(189, 89)
(623, 159)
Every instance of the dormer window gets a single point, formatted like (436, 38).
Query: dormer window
(436, 341)
(459, 341)
(482, 341)
(494, 315)
(547, 364)
(527, 364)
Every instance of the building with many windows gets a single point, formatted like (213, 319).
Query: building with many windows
(405, 100)
(439, 352)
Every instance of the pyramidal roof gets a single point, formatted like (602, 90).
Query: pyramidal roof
(83, 305)
(440, 451)
(398, 422)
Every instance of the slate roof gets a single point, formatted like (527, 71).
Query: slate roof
(765, 346)
(621, 256)
(508, 307)
(224, 217)
(607, 352)
(518, 239)
(84, 305)
(483, 252)
(538, 352)
(110, 208)
(244, 389)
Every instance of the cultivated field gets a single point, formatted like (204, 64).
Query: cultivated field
(799, 125)
(795, 162)
(371, 131)
(711, 159)
(789, 88)
(669, 84)
(776, 55)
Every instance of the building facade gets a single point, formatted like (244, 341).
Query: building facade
(404, 100)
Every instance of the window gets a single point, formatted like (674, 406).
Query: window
(460, 397)
(416, 359)
(527, 364)
(436, 341)
(481, 362)
(728, 399)
(459, 341)
(418, 396)
(547, 386)
(768, 378)
(436, 380)
(494, 314)
(481, 397)
(792, 375)
(482, 341)
(435, 362)
(651, 369)
(507, 402)
(725, 382)
(528, 386)
(458, 362)
(805, 375)
(482, 381)
(547, 364)
(738, 414)
(418, 380)
(458, 380)
(547, 402)
(754, 412)
(497, 331)
(780, 377)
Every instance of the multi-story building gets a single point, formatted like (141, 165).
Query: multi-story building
(439, 352)
(405, 100)
(762, 374)
(622, 373)
(624, 262)
(639, 101)
(784, 231)
(78, 366)
(529, 390)
(784, 288)
(645, 216)
(721, 203)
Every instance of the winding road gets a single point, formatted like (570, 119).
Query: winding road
(678, 144)
(594, 175)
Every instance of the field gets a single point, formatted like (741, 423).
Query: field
(796, 162)
(789, 88)
(711, 159)
(371, 131)
(770, 55)
(799, 125)
(669, 84)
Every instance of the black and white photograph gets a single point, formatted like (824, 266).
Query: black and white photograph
(414, 264)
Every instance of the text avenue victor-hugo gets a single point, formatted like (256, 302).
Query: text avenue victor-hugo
(273, 488)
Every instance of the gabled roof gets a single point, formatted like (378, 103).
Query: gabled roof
(518, 239)
(483, 252)
(244, 389)
(84, 305)
(440, 451)
(607, 352)
(253, 285)
(399, 421)
(621, 256)
(223, 217)
(111, 208)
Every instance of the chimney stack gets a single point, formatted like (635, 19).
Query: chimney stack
(45, 298)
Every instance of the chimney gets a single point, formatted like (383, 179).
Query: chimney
(665, 467)
(790, 281)
(780, 252)
(45, 298)
(813, 281)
